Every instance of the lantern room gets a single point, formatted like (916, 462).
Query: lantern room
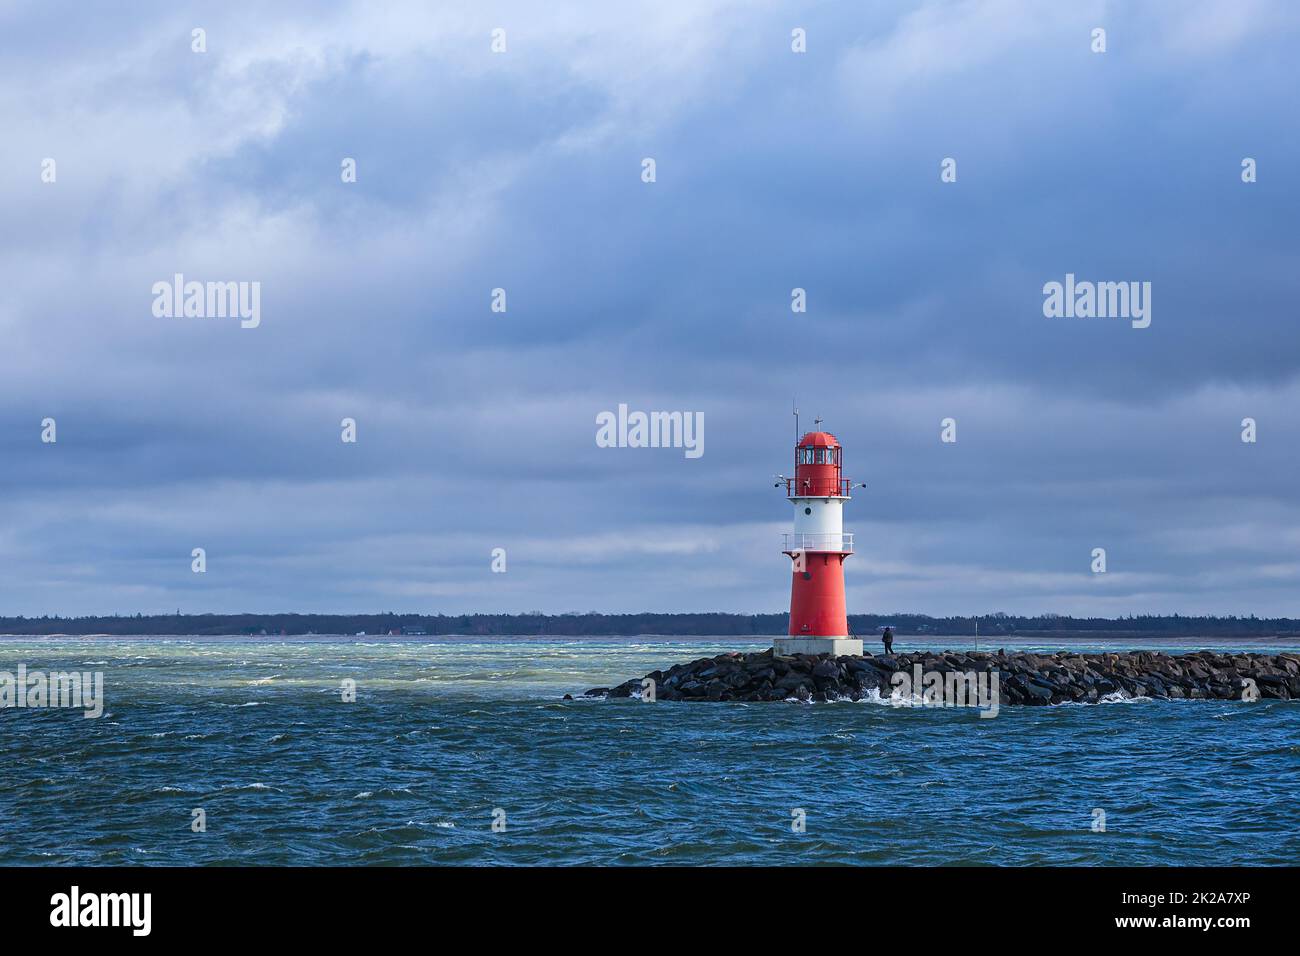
(817, 465)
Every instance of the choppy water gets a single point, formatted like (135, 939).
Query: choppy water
(443, 732)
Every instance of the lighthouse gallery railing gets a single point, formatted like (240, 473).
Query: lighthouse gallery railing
(799, 541)
(817, 487)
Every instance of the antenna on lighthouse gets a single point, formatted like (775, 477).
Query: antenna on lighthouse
(794, 404)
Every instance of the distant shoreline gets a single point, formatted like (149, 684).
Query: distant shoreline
(150, 628)
(988, 629)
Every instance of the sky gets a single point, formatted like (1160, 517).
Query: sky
(523, 170)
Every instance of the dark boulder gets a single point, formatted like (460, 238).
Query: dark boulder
(826, 668)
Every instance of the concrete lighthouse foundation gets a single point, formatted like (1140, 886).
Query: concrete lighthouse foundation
(839, 646)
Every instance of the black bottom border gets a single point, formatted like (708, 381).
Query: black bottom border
(941, 905)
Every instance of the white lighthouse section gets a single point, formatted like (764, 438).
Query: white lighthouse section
(819, 525)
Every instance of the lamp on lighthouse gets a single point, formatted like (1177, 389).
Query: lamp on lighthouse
(818, 547)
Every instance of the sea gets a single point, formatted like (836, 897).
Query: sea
(345, 751)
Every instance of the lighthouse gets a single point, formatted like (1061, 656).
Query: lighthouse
(817, 546)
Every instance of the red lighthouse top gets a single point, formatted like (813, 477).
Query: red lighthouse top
(817, 468)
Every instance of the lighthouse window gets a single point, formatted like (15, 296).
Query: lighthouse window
(807, 511)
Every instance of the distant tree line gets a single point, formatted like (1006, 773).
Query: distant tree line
(594, 625)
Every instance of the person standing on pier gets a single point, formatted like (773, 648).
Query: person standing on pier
(888, 639)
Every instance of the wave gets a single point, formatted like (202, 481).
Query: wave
(872, 696)
(367, 794)
(253, 786)
(1118, 697)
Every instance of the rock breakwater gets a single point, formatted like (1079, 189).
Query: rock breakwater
(1021, 678)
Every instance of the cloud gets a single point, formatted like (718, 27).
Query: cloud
(522, 171)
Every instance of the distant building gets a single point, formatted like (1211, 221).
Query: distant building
(413, 630)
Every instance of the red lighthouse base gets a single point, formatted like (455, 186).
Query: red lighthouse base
(819, 621)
